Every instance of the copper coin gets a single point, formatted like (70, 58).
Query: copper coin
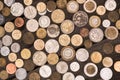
(55, 76)
(107, 48)
(6, 11)
(2, 62)
(61, 3)
(19, 22)
(117, 66)
(29, 65)
(41, 33)
(28, 38)
(4, 75)
(113, 16)
(51, 5)
(84, 32)
(11, 68)
(34, 76)
(117, 48)
(88, 43)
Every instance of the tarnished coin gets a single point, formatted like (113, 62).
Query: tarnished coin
(39, 44)
(61, 3)
(11, 68)
(15, 47)
(96, 35)
(41, 33)
(117, 66)
(39, 58)
(19, 22)
(7, 40)
(17, 9)
(106, 23)
(28, 2)
(25, 53)
(51, 5)
(110, 5)
(90, 6)
(80, 1)
(107, 48)
(9, 2)
(117, 24)
(52, 46)
(88, 43)
(19, 63)
(41, 7)
(107, 62)
(84, 32)
(2, 62)
(53, 31)
(79, 77)
(55, 76)
(111, 33)
(101, 10)
(76, 40)
(9, 26)
(2, 19)
(30, 12)
(80, 18)
(117, 48)
(44, 21)
(1, 5)
(72, 6)
(74, 66)
(64, 39)
(58, 16)
(6, 11)
(34, 76)
(2, 31)
(29, 65)
(68, 76)
(67, 26)
(12, 57)
(16, 34)
(4, 75)
(68, 53)
(113, 16)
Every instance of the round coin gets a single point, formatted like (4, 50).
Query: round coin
(19, 22)
(101, 10)
(16, 34)
(29, 65)
(2, 62)
(55, 76)
(41, 33)
(5, 51)
(44, 21)
(64, 39)
(2, 19)
(107, 62)
(9, 3)
(88, 43)
(9, 26)
(19, 63)
(110, 5)
(25, 53)
(12, 57)
(84, 32)
(117, 66)
(51, 5)
(1, 5)
(4, 75)
(28, 2)
(15, 47)
(69, 76)
(6, 11)
(41, 7)
(39, 44)
(113, 16)
(79, 77)
(106, 23)
(74, 66)
(11, 68)
(34, 76)
(2, 31)
(117, 24)
(61, 3)
(107, 48)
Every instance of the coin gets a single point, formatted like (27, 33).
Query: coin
(117, 24)
(42, 13)
(2, 19)
(52, 58)
(82, 55)
(2, 31)
(53, 31)
(68, 53)
(9, 26)
(64, 39)
(111, 33)
(39, 44)
(16, 34)
(69, 76)
(30, 12)
(62, 67)
(44, 21)
(117, 48)
(29, 65)
(2, 62)
(74, 66)
(79, 77)
(101, 10)
(80, 1)
(72, 6)
(12, 57)
(110, 5)
(17, 9)
(4, 75)
(6, 11)
(34, 76)
(96, 35)
(90, 6)
(19, 63)
(19, 22)
(84, 32)
(80, 18)
(61, 3)
(1, 5)
(117, 66)
(107, 48)
(9, 3)
(51, 5)
(90, 70)
(15, 47)
(67, 26)
(28, 2)
(58, 16)
(5, 51)
(52, 46)
(41, 7)
(11, 68)
(106, 23)
(113, 16)
(39, 58)
(96, 57)
(25, 53)
(88, 43)
(55, 76)
(107, 62)
(41, 33)
(76, 40)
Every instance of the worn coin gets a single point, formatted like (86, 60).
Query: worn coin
(39, 44)
(15, 47)
(9, 27)
(107, 48)
(5, 51)
(6, 11)
(4, 75)
(88, 43)
(84, 32)
(34, 76)
(25, 53)
(101, 10)
(110, 5)
(28, 2)
(11, 68)
(107, 62)
(41, 7)
(2, 62)
(2, 31)
(19, 63)
(29, 65)
(51, 5)
(64, 39)
(55, 76)
(12, 57)
(113, 16)
(16, 34)
(61, 3)
(68, 76)
(19, 22)
(41, 33)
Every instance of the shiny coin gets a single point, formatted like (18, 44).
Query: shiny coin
(29, 65)
(64, 40)
(80, 1)
(117, 66)
(51, 6)
(52, 46)
(9, 26)
(9, 3)
(34, 76)
(88, 43)
(41, 7)
(106, 23)
(44, 21)
(79, 77)
(1, 5)
(39, 44)
(68, 53)
(4, 51)
(58, 16)
(111, 33)
(7, 40)
(72, 6)
(2, 31)
(90, 6)
(113, 16)
(101, 10)
(39, 58)
(106, 73)
(96, 35)
(107, 62)
(19, 22)
(76, 40)
(12, 57)
(68, 76)
(84, 32)
(17, 9)
(16, 34)
(82, 55)
(74, 66)
(110, 5)
(55, 76)
(25, 53)
(41, 33)
(117, 24)
(107, 48)
(90, 69)
(80, 18)
(15, 47)
(67, 26)
(28, 2)
(2, 62)
(45, 71)
(11, 68)
(61, 3)
(32, 25)
(62, 67)
(30, 12)
(4, 75)
(2, 19)
(19, 63)
(53, 31)
(117, 48)
(6, 11)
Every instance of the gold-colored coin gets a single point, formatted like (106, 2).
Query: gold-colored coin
(16, 34)
(107, 62)
(12, 57)
(117, 24)
(6, 11)
(4, 75)
(88, 43)
(25, 53)
(2, 62)
(2, 31)
(19, 63)
(64, 39)
(80, 1)
(113, 16)
(28, 2)
(39, 44)
(117, 66)
(9, 26)
(41, 33)
(41, 7)
(61, 3)
(101, 10)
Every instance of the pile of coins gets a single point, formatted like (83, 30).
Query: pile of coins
(59, 40)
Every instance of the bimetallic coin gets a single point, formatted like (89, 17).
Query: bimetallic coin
(2, 19)
(9, 2)
(110, 5)
(15, 47)
(81, 1)
(5, 51)
(107, 62)
(117, 66)
(84, 32)
(80, 18)
(19, 63)
(90, 70)
(79, 77)
(11, 68)
(16, 34)
(76, 40)
(7, 40)
(51, 6)
(88, 43)
(67, 26)
(9, 26)
(53, 31)
(117, 24)
(61, 3)
(4, 75)
(2, 62)
(39, 44)
(25, 53)
(106, 23)
(2, 31)
(111, 33)
(19, 22)
(64, 39)
(28, 2)
(17, 9)
(55, 76)
(58, 16)
(39, 58)
(12, 57)
(101, 10)
(72, 6)
(29, 65)
(6, 11)
(113, 16)
(74, 66)
(107, 48)
(41, 33)
(1, 5)
(96, 35)
(34, 76)
(68, 76)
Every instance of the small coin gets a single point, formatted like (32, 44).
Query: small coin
(5, 51)
(41, 7)
(106, 23)
(61, 3)
(4, 75)
(19, 22)
(6, 11)
(29, 65)
(111, 33)
(58, 16)
(69, 76)
(64, 39)
(53, 31)
(117, 48)
(117, 24)
(76, 40)
(117, 66)
(52, 58)
(42, 13)
(41, 33)
(113, 16)
(12, 57)
(79, 77)
(2, 31)
(39, 44)
(84, 32)
(80, 18)
(51, 5)
(107, 48)
(34, 76)
(110, 5)
(1, 5)
(101, 10)
(2, 19)
(16, 34)
(2, 62)
(55, 76)
(81, 1)
(9, 2)
(9, 26)
(88, 43)
(15, 47)
(28, 2)
(74, 66)
(107, 62)
(25, 53)
(67, 26)
(19, 63)
(11, 68)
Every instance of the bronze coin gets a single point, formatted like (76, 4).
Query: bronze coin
(6, 11)
(55, 76)
(29, 65)
(107, 48)
(3, 75)
(113, 16)
(88, 43)
(34, 76)
(41, 33)
(28, 38)
(19, 22)
(2, 62)
(90, 69)
(84, 32)
(61, 3)
(51, 5)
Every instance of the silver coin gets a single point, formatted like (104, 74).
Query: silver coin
(2, 19)
(79, 77)
(110, 5)
(17, 9)
(53, 31)
(21, 73)
(7, 40)
(74, 66)
(15, 47)
(106, 23)
(9, 2)
(96, 35)
(4, 51)
(80, 18)
(68, 76)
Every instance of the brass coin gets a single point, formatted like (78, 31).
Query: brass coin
(12, 57)
(6, 11)
(28, 2)
(55, 76)
(19, 63)
(88, 43)
(101, 10)
(25, 53)
(9, 26)
(16, 34)
(4, 75)
(117, 24)
(52, 58)
(29, 65)
(41, 33)
(41, 7)
(2, 31)
(39, 44)
(61, 3)
(117, 48)
(107, 62)
(2, 62)
(1, 5)
(51, 5)
(117, 66)
(34, 76)
(107, 48)
(64, 39)
(113, 16)
(84, 32)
